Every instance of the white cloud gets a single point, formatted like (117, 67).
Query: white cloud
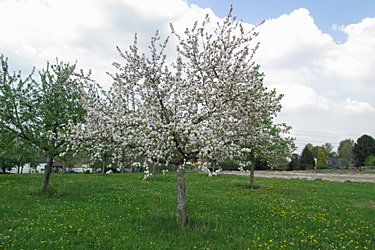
(320, 79)
(353, 62)
(86, 31)
(291, 40)
(354, 107)
(311, 69)
(301, 98)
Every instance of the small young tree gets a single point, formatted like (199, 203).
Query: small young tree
(40, 112)
(321, 160)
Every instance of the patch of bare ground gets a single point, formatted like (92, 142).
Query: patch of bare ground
(368, 204)
(339, 176)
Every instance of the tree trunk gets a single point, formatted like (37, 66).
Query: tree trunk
(252, 167)
(104, 163)
(47, 174)
(22, 169)
(153, 170)
(181, 192)
(64, 165)
(213, 165)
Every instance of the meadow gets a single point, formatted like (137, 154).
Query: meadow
(120, 211)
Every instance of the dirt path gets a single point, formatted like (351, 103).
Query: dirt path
(309, 175)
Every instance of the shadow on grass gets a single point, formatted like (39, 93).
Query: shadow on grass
(247, 186)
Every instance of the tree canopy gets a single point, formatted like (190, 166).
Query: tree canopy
(39, 112)
(363, 148)
(207, 104)
(307, 159)
(345, 151)
(321, 161)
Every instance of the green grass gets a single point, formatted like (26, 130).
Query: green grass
(121, 211)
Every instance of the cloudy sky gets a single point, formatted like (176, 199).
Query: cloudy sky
(320, 54)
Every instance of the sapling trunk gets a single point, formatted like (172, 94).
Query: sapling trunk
(181, 193)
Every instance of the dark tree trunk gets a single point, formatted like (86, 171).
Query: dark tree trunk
(47, 174)
(22, 169)
(181, 193)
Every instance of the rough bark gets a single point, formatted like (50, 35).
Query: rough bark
(47, 174)
(181, 193)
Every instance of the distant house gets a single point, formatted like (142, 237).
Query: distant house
(334, 162)
(57, 166)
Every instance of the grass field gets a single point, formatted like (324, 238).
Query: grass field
(123, 212)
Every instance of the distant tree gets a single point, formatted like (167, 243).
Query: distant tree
(261, 163)
(40, 112)
(307, 159)
(363, 148)
(68, 160)
(21, 153)
(294, 163)
(328, 148)
(280, 163)
(316, 149)
(5, 147)
(345, 150)
(309, 146)
(321, 160)
(370, 161)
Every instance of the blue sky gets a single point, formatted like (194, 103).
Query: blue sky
(326, 74)
(326, 13)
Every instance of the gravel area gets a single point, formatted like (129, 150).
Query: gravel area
(345, 176)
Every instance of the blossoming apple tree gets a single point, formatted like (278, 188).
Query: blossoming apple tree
(39, 112)
(204, 105)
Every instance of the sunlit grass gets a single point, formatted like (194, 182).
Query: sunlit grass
(123, 212)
